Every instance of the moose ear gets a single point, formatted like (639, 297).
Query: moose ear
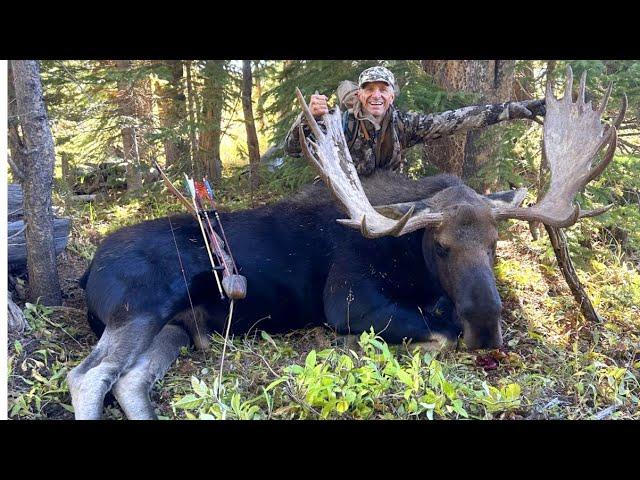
(507, 199)
(398, 210)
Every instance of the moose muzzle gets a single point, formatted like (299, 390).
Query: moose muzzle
(479, 308)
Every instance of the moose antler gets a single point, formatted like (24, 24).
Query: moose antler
(331, 157)
(573, 136)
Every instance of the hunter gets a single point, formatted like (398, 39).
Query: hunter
(377, 132)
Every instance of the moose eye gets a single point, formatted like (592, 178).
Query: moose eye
(441, 251)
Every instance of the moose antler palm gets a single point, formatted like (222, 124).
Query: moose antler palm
(573, 136)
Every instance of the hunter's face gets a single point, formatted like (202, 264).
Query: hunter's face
(376, 97)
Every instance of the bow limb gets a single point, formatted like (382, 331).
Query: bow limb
(190, 208)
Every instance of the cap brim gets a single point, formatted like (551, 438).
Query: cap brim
(378, 80)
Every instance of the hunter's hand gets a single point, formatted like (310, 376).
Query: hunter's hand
(318, 105)
(527, 109)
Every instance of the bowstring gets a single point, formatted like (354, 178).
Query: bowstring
(229, 318)
(231, 303)
(224, 346)
(186, 285)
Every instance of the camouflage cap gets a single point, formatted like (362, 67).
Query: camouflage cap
(377, 74)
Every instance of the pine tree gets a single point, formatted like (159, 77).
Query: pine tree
(214, 96)
(252, 137)
(173, 112)
(127, 110)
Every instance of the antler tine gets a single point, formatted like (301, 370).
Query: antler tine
(568, 91)
(331, 158)
(307, 113)
(366, 232)
(605, 100)
(595, 212)
(623, 110)
(573, 136)
(548, 92)
(610, 137)
(308, 154)
(581, 92)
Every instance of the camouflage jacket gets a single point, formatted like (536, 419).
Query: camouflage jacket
(381, 145)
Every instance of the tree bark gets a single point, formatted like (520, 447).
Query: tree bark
(212, 107)
(192, 120)
(39, 161)
(260, 103)
(465, 154)
(127, 110)
(173, 114)
(144, 101)
(66, 171)
(252, 136)
(17, 159)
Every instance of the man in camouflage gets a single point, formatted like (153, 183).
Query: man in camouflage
(378, 133)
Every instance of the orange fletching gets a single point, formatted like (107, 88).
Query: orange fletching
(201, 191)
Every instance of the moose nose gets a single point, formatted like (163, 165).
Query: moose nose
(478, 300)
(483, 311)
(475, 338)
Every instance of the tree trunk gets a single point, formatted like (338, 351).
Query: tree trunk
(252, 137)
(67, 177)
(17, 159)
(212, 107)
(260, 102)
(126, 107)
(192, 120)
(144, 102)
(67, 182)
(173, 114)
(465, 154)
(38, 182)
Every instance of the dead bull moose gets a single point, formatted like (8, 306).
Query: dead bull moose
(432, 237)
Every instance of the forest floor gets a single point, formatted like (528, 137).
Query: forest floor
(554, 364)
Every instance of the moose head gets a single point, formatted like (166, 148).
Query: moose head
(460, 226)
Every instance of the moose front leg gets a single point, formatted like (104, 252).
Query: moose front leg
(355, 308)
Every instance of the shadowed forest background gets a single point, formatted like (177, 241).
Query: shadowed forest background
(227, 120)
